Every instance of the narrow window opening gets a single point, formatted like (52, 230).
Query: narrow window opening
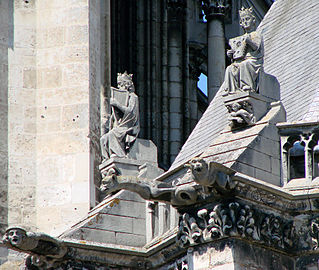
(315, 161)
(297, 161)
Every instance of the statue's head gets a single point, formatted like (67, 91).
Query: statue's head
(247, 19)
(14, 236)
(125, 82)
(235, 107)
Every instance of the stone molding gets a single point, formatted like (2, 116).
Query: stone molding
(251, 211)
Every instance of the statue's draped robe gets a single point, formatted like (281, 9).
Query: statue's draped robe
(123, 131)
(244, 72)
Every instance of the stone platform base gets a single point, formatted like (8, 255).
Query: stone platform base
(140, 161)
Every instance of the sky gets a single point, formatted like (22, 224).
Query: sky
(202, 83)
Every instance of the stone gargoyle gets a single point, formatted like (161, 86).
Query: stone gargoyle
(202, 178)
(45, 251)
(210, 174)
(150, 190)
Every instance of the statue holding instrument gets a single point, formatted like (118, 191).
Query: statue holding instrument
(124, 122)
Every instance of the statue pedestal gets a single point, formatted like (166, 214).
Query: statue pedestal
(140, 161)
(246, 108)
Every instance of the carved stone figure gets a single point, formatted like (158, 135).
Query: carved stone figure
(210, 174)
(246, 54)
(153, 191)
(241, 114)
(212, 179)
(45, 250)
(124, 122)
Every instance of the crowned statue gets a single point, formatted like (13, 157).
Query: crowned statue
(124, 121)
(246, 54)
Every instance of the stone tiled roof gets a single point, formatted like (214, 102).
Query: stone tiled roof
(291, 39)
(210, 125)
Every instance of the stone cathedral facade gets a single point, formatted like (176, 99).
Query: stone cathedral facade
(223, 181)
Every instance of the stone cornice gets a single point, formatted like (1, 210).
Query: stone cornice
(227, 204)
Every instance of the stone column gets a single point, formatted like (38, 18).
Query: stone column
(106, 43)
(176, 9)
(309, 143)
(215, 13)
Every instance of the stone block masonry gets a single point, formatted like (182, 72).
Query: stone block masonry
(49, 111)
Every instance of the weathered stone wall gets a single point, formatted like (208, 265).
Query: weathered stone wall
(18, 83)
(235, 254)
(5, 41)
(51, 75)
(67, 111)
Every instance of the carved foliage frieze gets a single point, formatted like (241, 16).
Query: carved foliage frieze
(314, 233)
(236, 220)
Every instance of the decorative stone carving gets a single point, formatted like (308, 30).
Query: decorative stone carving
(124, 122)
(241, 84)
(247, 55)
(45, 251)
(154, 191)
(210, 174)
(215, 7)
(234, 219)
(213, 179)
(176, 8)
(314, 233)
(240, 114)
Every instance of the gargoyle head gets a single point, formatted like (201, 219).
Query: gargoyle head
(210, 173)
(198, 166)
(14, 237)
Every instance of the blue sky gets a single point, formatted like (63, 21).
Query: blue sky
(202, 83)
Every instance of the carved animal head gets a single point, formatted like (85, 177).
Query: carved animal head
(200, 171)
(14, 237)
(198, 166)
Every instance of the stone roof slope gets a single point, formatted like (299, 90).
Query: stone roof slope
(291, 43)
(209, 126)
(291, 38)
(113, 221)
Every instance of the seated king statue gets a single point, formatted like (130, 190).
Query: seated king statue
(124, 121)
(246, 54)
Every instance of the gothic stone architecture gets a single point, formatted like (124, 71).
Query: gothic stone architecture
(237, 189)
